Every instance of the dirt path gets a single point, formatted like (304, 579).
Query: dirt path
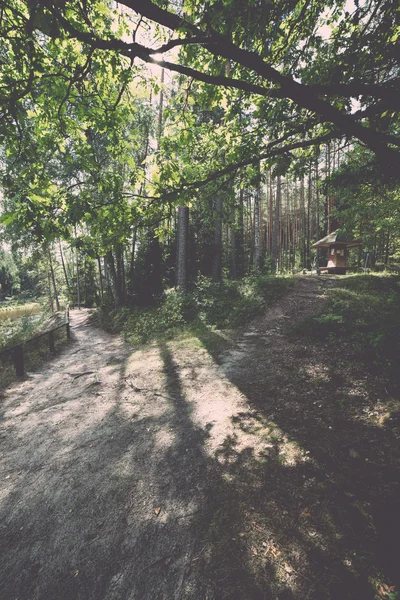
(180, 472)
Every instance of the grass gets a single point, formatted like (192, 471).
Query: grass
(35, 353)
(210, 306)
(15, 330)
(15, 312)
(18, 324)
(362, 314)
(18, 320)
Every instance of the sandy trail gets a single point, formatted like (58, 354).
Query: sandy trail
(114, 462)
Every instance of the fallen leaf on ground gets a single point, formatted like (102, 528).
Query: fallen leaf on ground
(273, 550)
(157, 511)
(288, 568)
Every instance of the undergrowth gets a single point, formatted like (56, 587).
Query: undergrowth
(17, 329)
(36, 352)
(13, 331)
(363, 313)
(217, 305)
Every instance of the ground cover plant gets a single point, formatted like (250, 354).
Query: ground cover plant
(362, 315)
(36, 352)
(261, 472)
(170, 166)
(20, 323)
(219, 305)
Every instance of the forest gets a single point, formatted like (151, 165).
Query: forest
(166, 171)
(132, 167)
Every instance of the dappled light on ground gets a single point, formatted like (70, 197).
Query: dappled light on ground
(189, 470)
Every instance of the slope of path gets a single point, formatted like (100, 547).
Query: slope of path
(109, 459)
(267, 330)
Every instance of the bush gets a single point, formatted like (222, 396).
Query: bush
(219, 305)
(15, 330)
(143, 325)
(231, 303)
(364, 312)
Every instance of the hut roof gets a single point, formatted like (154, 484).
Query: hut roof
(338, 237)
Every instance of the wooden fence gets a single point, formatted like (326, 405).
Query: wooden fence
(18, 350)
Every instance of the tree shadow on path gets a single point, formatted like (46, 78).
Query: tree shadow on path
(319, 501)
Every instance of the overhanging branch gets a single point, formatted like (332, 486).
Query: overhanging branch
(270, 152)
(302, 95)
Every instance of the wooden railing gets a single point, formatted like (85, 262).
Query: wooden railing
(18, 350)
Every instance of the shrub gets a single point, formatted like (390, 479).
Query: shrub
(364, 312)
(15, 330)
(219, 305)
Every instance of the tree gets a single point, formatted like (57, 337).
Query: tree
(182, 248)
(100, 151)
(9, 278)
(368, 209)
(278, 59)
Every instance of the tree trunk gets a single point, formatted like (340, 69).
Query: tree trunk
(303, 224)
(288, 232)
(69, 266)
(328, 193)
(120, 274)
(274, 254)
(113, 278)
(160, 111)
(50, 294)
(182, 248)
(295, 226)
(239, 237)
(78, 288)
(387, 243)
(217, 266)
(233, 269)
(317, 198)
(257, 230)
(132, 263)
(100, 278)
(271, 213)
(251, 231)
(64, 267)
(53, 280)
(308, 261)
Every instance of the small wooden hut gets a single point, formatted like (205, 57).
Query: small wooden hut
(338, 245)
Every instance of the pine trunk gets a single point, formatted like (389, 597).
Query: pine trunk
(239, 237)
(53, 279)
(233, 267)
(100, 277)
(217, 266)
(275, 235)
(50, 294)
(257, 230)
(182, 248)
(132, 263)
(64, 267)
(113, 278)
(308, 261)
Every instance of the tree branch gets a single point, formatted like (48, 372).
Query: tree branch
(181, 42)
(135, 49)
(271, 152)
(302, 95)
(357, 88)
